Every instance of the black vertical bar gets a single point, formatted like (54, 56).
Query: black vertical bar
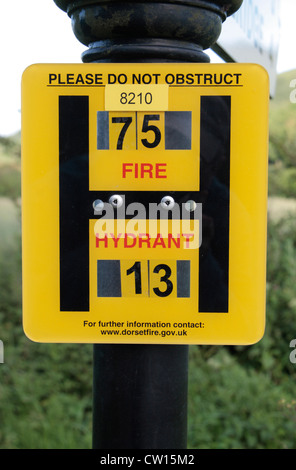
(140, 396)
(178, 130)
(103, 130)
(108, 278)
(74, 194)
(215, 122)
(183, 278)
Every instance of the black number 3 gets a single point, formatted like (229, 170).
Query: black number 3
(165, 279)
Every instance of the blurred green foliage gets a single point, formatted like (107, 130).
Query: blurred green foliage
(10, 167)
(282, 139)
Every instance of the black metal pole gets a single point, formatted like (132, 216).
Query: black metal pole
(140, 391)
(140, 397)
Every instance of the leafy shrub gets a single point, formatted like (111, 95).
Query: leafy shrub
(10, 181)
(232, 407)
(282, 181)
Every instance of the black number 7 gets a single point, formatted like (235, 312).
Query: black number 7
(127, 121)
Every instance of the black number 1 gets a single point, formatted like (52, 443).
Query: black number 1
(136, 268)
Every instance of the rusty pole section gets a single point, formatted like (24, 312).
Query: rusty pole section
(140, 391)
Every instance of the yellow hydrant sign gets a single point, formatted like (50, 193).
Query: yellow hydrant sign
(144, 203)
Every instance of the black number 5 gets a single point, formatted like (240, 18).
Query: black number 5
(150, 127)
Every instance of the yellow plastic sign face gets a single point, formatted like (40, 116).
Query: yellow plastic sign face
(144, 203)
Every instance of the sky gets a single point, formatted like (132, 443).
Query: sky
(37, 31)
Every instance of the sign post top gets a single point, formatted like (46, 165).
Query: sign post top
(227, 7)
(122, 31)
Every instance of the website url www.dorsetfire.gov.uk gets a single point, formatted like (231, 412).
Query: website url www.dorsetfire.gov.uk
(144, 328)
